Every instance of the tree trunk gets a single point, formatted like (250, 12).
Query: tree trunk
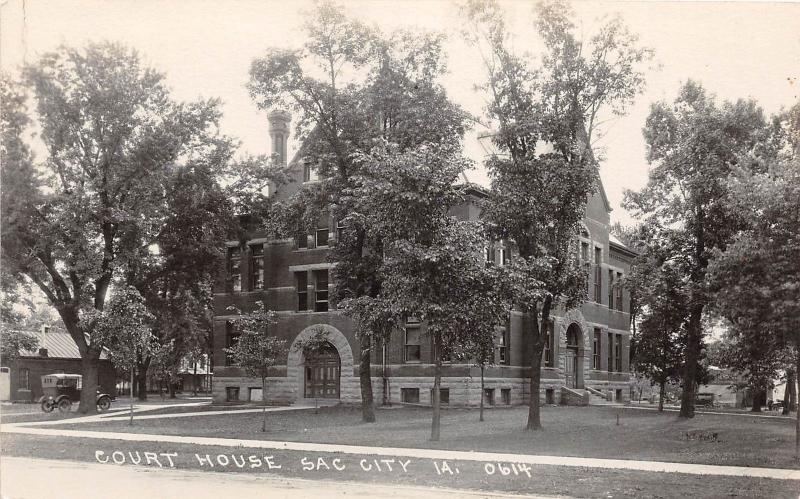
(482, 391)
(130, 422)
(171, 386)
(90, 364)
(264, 403)
(662, 390)
(758, 399)
(365, 374)
(194, 382)
(534, 411)
(694, 330)
(436, 420)
(537, 347)
(789, 396)
(141, 379)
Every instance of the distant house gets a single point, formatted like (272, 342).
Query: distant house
(57, 353)
(729, 389)
(191, 377)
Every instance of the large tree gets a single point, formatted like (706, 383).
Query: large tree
(546, 113)
(432, 267)
(176, 263)
(756, 277)
(112, 136)
(350, 88)
(692, 147)
(661, 306)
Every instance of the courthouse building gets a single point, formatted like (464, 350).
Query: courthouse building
(586, 356)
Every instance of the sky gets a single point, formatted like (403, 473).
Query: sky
(735, 49)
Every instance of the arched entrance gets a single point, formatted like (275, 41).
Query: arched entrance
(574, 356)
(323, 371)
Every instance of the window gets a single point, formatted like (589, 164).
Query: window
(231, 339)
(610, 352)
(611, 289)
(503, 253)
(409, 395)
(310, 174)
(618, 395)
(584, 251)
(24, 379)
(445, 353)
(444, 395)
(234, 268)
(256, 395)
(488, 254)
(339, 231)
(412, 343)
(488, 396)
(505, 345)
(618, 354)
(257, 266)
(549, 358)
(302, 240)
(232, 393)
(320, 290)
(596, 349)
(302, 290)
(505, 395)
(619, 291)
(598, 276)
(321, 237)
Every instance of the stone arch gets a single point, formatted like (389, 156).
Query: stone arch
(574, 319)
(295, 360)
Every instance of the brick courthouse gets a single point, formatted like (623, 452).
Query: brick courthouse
(586, 355)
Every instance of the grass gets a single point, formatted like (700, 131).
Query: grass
(568, 431)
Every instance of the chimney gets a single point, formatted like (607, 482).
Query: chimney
(279, 133)
(45, 331)
(42, 352)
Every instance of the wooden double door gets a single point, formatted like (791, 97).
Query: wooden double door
(573, 357)
(571, 367)
(323, 373)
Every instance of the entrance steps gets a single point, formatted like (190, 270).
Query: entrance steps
(585, 396)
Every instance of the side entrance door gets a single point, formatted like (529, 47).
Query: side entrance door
(570, 367)
(322, 373)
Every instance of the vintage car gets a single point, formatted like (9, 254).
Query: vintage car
(61, 390)
(705, 400)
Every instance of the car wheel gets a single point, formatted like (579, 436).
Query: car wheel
(47, 405)
(103, 404)
(64, 405)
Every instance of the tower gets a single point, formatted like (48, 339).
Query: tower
(279, 133)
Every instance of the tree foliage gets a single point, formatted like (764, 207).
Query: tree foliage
(124, 326)
(432, 266)
(352, 88)
(89, 212)
(545, 170)
(13, 342)
(255, 350)
(661, 309)
(692, 147)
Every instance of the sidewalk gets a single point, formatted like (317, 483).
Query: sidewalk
(75, 480)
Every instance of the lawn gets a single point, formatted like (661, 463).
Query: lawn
(568, 431)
